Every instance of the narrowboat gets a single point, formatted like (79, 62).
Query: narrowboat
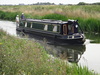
(61, 31)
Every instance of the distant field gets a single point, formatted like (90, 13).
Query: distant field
(86, 11)
(88, 15)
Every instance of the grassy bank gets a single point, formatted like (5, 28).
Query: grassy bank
(88, 15)
(25, 57)
(94, 37)
(8, 15)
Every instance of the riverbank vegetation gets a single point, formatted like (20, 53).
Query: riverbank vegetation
(94, 37)
(88, 15)
(27, 57)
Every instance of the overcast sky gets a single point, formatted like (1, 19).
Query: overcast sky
(51, 1)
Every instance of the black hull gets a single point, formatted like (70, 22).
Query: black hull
(72, 41)
(55, 37)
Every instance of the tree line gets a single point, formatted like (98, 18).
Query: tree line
(80, 3)
(48, 3)
(83, 3)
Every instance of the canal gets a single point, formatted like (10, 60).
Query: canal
(84, 55)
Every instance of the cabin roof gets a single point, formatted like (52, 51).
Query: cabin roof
(47, 21)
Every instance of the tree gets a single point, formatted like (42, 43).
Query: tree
(82, 3)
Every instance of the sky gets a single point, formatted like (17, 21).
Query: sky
(51, 1)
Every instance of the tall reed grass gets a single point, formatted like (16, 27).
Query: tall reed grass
(25, 57)
(94, 37)
(55, 16)
(86, 11)
(89, 24)
(8, 15)
(88, 15)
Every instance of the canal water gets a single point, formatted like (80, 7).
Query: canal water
(84, 55)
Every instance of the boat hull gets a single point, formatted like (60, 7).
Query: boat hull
(56, 37)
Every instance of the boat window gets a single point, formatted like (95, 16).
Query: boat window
(38, 26)
(42, 26)
(76, 29)
(70, 28)
(73, 28)
(54, 27)
(50, 27)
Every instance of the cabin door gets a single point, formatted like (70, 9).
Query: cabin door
(65, 29)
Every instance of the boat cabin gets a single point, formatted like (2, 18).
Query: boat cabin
(64, 28)
(52, 28)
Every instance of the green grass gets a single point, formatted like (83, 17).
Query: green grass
(94, 37)
(55, 16)
(88, 15)
(8, 15)
(27, 57)
(90, 24)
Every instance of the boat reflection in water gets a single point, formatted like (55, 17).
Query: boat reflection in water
(71, 53)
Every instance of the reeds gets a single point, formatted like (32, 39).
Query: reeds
(95, 37)
(86, 11)
(27, 57)
(55, 16)
(8, 15)
(88, 15)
